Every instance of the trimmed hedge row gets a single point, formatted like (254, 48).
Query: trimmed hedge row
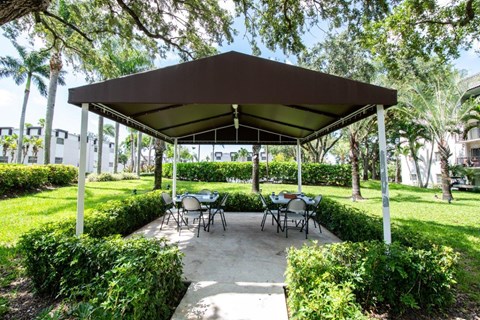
(106, 176)
(16, 177)
(312, 173)
(337, 281)
(116, 278)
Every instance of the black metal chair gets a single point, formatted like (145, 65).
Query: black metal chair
(296, 211)
(219, 210)
(313, 213)
(268, 211)
(192, 208)
(169, 205)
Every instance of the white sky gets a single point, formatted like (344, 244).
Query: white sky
(67, 116)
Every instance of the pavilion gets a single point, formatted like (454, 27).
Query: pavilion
(234, 98)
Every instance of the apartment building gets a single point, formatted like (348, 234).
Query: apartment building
(65, 149)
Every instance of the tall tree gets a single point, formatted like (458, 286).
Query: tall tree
(31, 67)
(256, 168)
(100, 144)
(159, 150)
(56, 66)
(341, 55)
(438, 107)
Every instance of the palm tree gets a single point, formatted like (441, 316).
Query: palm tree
(256, 168)
(242, 154)
(438, 107)
(356, 132)
(6, 142)
(56, 78)
(31, 67)
(25, 148)
(36, 144)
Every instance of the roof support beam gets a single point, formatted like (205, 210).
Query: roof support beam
(145, 113)
(275, 121)
(321, 113)
(195, 121)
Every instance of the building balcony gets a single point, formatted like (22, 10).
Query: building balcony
(469, 161)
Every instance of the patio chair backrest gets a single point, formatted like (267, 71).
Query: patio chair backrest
(166, 198)
(297, 205)
(264, 203)
(190, 203)
(317, 200)
(205, 191)
(224, 200)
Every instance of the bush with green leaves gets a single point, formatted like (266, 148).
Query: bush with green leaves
(61, 175)
(114, 217)
(106, 176)
(395, 278)
(19, 178)
(312, 173)
(120, 279)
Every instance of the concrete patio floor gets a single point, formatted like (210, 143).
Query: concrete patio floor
(237, 273)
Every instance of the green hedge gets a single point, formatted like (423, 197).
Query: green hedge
(339, 281)
(336, 281)
(17, 178)
(106, 176)
(312, 173)
(114, 278)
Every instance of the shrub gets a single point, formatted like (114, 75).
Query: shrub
(381, 277)
(62, 175)
(351, 224)
(15, 178)
(114, 217)
(106, 176)
(120, 279)
(312, 173)
(18, 178)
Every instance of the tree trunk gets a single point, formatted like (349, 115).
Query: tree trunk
(364, 156)
(398, 169)
(429, 165)
(159, 149)
(375, 154)
(417, 166)
(266, 151)
(356, 193)
(150, 146)
(255, 168)
(22, 119)
(444, 150)
(100, 145)
(132, 150)
(11, 10)
(115, 159)
(55, 68)
(139, 153)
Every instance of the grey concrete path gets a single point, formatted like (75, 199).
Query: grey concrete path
(237, 273)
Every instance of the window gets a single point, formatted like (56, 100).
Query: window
(32, 159)
(413, 177)
(95, 149)
(3, 159)
(475, 152)
(60, 141)
(58, 160)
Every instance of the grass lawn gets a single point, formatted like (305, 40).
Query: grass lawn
(456, 224)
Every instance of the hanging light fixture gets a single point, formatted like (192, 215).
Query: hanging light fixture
(236, 123)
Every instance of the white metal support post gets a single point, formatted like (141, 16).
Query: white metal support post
(174, 178)
(299, 165)
(139, 152)
(81, 169)
(387, 236)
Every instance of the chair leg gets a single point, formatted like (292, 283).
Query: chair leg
(285, 227)
(263, 220)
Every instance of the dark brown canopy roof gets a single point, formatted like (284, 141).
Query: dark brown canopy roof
(277, 103)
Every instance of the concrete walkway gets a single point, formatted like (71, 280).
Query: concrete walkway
(237, 273)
